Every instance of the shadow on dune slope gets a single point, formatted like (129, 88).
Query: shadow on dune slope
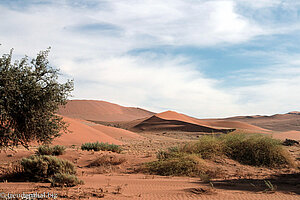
(155, 123)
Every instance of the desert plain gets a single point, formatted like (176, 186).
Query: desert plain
(141, 134)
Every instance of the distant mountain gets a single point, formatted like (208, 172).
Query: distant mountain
(101, 111)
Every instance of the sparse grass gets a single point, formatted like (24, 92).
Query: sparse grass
(107, 160)
(250, 149)
(185, 165)
(96, 146)
(43, 166)
(64, 179)
(50, 168)
(256, 150)
(206, 146)
(54, 151)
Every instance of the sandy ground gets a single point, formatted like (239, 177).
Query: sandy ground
(124, 182)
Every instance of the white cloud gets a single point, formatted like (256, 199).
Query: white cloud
(160, 85)
(91, 44)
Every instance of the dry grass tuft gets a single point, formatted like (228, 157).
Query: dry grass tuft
(107, 160)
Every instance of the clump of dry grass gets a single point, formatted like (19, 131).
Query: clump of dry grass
(256, 150)
(207, 147)
(183, 165)
(250, 149)
(64, 180)
(189, 159)
(97, 146)
(50, 169)
(107, 160)
(54, 151)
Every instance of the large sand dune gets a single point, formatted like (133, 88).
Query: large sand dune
(101, 111)
(155, 123)
(117, 133)
(214, 124)
(81, 133)
(137, 120)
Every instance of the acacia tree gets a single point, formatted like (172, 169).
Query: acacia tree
(30, 95)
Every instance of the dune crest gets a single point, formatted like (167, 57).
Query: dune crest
(101, 111)
(212, 123)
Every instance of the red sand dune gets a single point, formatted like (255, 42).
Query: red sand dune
(278, 122)
(117, 133)
(155, 123)
(171, 115)
(82, 133)
(101, 111)
(171, 120)
(294, 135)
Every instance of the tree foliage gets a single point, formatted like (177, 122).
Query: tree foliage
(30, 95)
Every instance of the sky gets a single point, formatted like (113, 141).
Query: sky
(204, 58)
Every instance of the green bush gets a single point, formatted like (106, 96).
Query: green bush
(64, 179)
(44, 150)
(96, 146)
(107, 160)
(206, 146)
(57, 171)
(42, 167)
(185, 165)
(250, 149)
(54, 151)
(255, 149)
(58, 150)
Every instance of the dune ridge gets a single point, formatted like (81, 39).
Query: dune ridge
(211, 123)
(278, 122)
(101, 111)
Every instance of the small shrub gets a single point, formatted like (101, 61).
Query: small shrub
(42, 167)
(188, 165)
(162, 155)
(256, 150)
(64, 179)
(206, 146)
(107, 160)
(44, 150)
(58, 150)
(54, 151)
(96, 146)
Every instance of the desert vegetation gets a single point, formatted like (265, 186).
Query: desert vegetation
(100, 146)
(50, 169)
(177, 165)
(30, 96)
(190, 159)
(48, 150)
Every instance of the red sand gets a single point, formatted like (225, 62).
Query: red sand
(82, 133)
(102, 111)
(294, 135)
(117, 133)
(171, 115)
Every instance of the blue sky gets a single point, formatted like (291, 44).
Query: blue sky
(213, 58)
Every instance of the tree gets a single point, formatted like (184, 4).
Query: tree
(30, 95)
